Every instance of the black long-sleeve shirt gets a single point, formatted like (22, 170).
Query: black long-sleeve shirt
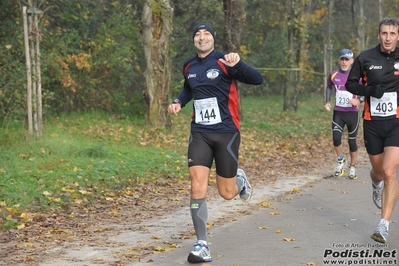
(213, 86)
(376, 68)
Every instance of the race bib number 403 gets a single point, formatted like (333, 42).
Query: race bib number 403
(385, 106)
(207, 111)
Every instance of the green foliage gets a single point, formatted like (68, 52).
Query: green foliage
(91, 58)
(12, 64)
(92, 55)
(98, 64)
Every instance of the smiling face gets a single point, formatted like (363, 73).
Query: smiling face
(388, 36)
(204, 42)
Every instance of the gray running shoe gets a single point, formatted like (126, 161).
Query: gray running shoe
(339, 170)
(201, 253)
(247, 191)
(352, 172)
(380, 234)
(377, 193)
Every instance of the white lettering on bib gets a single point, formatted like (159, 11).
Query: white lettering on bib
(386, 106)
(342, 98)
(207, 111)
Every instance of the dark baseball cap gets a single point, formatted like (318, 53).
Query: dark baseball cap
(346, 53)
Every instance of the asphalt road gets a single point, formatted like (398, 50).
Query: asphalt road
(326, 222)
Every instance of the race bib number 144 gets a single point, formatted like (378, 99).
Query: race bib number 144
(207, 111)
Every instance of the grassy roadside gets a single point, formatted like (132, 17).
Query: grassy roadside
(84, 159)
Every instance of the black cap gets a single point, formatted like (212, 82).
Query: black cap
(205, 26)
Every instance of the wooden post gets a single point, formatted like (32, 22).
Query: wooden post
(325, 65)
(32, 53)
(32, 67)
(28, 71)
(39, 81)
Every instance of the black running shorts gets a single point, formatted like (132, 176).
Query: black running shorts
(379, 134)
(223, 147)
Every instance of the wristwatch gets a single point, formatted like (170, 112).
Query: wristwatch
(177, 101)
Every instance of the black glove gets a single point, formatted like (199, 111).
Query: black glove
(377, 91)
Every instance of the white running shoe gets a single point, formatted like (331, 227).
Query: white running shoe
(247, 191)
(377, 194)
(201, 253)
(339, 170)
(352, 172)
(380, 234)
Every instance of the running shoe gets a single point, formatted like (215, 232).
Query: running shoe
(201, 253)
(352, 172)
(380, 234)
(339, 170)
(247, 191)
(377, 193)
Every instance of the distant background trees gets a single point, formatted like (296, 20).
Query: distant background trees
(93, 56)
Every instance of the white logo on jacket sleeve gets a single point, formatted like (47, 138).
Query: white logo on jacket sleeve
(396, 66)
(375, 67)
(212, 73)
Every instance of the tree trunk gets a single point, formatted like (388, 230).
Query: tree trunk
(156, 32)
(296, 39)
(359, 24)
(291, 89)
(39, 105)
(32, 51)
(234, 24)
(28, 70)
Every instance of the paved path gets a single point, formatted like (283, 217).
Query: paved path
(332, 217)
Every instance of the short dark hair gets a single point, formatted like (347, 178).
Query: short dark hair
(391, 21)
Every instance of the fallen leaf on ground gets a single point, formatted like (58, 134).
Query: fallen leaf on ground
(263, 227)
(288, 239)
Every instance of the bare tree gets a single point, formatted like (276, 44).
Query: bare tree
(156, 32)
(328, 59)
(234, 23)
(296, 39)
(359, 23)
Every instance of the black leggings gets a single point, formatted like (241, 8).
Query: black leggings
(351, 120)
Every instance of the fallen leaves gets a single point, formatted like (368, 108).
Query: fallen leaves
(295, 190)
(265, 204)
(13, 210)
(21, 226)
(263, 227)
(274, 213)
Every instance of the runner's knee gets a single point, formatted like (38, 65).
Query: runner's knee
(337, 138)
(352, 145)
